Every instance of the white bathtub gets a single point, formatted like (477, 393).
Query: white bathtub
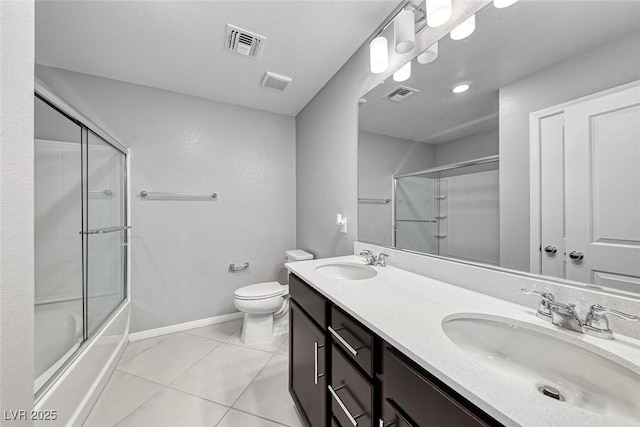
(57, 335)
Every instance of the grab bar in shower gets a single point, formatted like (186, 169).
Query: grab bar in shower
(106, 230)
(149, 195)
(380, 201)
(105, 192)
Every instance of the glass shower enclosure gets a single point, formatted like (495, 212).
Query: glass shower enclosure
(450, 210)
(80, 236)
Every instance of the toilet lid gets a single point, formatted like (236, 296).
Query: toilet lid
(260, 291)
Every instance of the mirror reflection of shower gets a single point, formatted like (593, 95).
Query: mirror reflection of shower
(450, 210)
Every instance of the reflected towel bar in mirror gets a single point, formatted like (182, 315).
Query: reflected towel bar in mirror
(106, 230)
(375, 201)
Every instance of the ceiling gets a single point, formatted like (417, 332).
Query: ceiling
(507, 45)
(179, 45)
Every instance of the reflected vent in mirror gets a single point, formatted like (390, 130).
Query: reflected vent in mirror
(401, 93)
(244, 42)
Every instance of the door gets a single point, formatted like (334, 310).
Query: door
(307, 382)
(602, 150)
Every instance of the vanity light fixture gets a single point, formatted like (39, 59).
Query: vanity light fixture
(429, 55)
(403, 73)
(438, 12)
(461, 87)
(378, 55)
(500, 4)
(404, 31)
(464, 30)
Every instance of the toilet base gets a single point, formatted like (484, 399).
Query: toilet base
(256, 328)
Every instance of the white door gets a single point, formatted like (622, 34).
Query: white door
(602, 179)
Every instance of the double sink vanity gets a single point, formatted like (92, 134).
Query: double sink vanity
(376, 345)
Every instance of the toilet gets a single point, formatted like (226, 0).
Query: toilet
(265, 306)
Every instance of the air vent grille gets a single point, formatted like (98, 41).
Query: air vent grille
(244, 42)
(275, 81)
(401, 93)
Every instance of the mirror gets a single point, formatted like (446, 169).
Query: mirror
(535, 168)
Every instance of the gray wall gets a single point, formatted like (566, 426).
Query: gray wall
(606, 67)
(17, 24)
(181, 250)
(379, 158)
(468, 148)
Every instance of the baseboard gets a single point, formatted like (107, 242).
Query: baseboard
(150, 333)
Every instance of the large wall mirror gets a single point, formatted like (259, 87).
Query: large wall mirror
(536, 167)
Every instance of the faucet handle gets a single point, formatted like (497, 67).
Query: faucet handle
(597, 311)
(546, 296)
(382, 259)
(366, 252)
(597, 324)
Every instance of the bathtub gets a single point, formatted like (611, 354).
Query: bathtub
(58, 334)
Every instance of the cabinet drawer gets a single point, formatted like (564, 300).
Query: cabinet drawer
(310, 301)
(419, 399)
(350, 393)
(353, 338)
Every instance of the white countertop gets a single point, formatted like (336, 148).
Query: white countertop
(407, 310)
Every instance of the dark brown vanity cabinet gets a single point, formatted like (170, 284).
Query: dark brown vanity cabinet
(307, 365)
(342, 375)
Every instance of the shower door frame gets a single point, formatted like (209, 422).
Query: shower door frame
(42, 92)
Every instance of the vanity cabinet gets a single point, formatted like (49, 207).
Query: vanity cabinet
(343, 375)
(307, 365)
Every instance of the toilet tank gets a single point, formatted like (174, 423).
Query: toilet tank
(294, 255)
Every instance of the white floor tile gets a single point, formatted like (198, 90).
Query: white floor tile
(165, 361)
(223, 374)
(283, 350)
(271, 345)
(220, 331)
(172, 408)
(268, 395)
(137, 347)
(120, 397)
(240, 419)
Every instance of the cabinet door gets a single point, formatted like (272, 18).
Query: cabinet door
(307, 383)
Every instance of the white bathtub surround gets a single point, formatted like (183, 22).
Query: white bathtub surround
(506, 285)
(407, 310)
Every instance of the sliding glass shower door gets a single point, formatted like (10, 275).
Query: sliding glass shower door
(80, 236)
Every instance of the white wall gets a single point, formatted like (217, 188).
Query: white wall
(17, 24)
(471, 147)
(611, 65)
(379, 158)
(181, 250)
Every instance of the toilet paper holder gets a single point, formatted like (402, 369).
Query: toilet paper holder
(239, 267)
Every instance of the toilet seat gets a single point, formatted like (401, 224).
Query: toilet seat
(260, 291)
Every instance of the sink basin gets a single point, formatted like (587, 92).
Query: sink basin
(584, 376)
(347, 271)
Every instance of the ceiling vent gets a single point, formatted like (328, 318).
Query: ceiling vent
(275, 81)
(401, 93)
(244, 42)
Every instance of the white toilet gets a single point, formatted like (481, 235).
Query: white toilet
(265, 306)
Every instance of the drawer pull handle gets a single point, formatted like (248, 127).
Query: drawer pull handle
(344, 342)
(315, 363)
(399, 414)
(352, 418)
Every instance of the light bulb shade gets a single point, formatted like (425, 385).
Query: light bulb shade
(438, 12)
(403, 73)
(404, 31)
(429, 55)
(503, 3)
(465, 29)
(378, 55)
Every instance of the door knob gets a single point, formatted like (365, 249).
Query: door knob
(576, 256)
(550, 249)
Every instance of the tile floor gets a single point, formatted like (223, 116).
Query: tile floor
(200, 377)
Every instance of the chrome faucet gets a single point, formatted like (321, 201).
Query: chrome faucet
(368, 256)
(565, 316)
(382, 259)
